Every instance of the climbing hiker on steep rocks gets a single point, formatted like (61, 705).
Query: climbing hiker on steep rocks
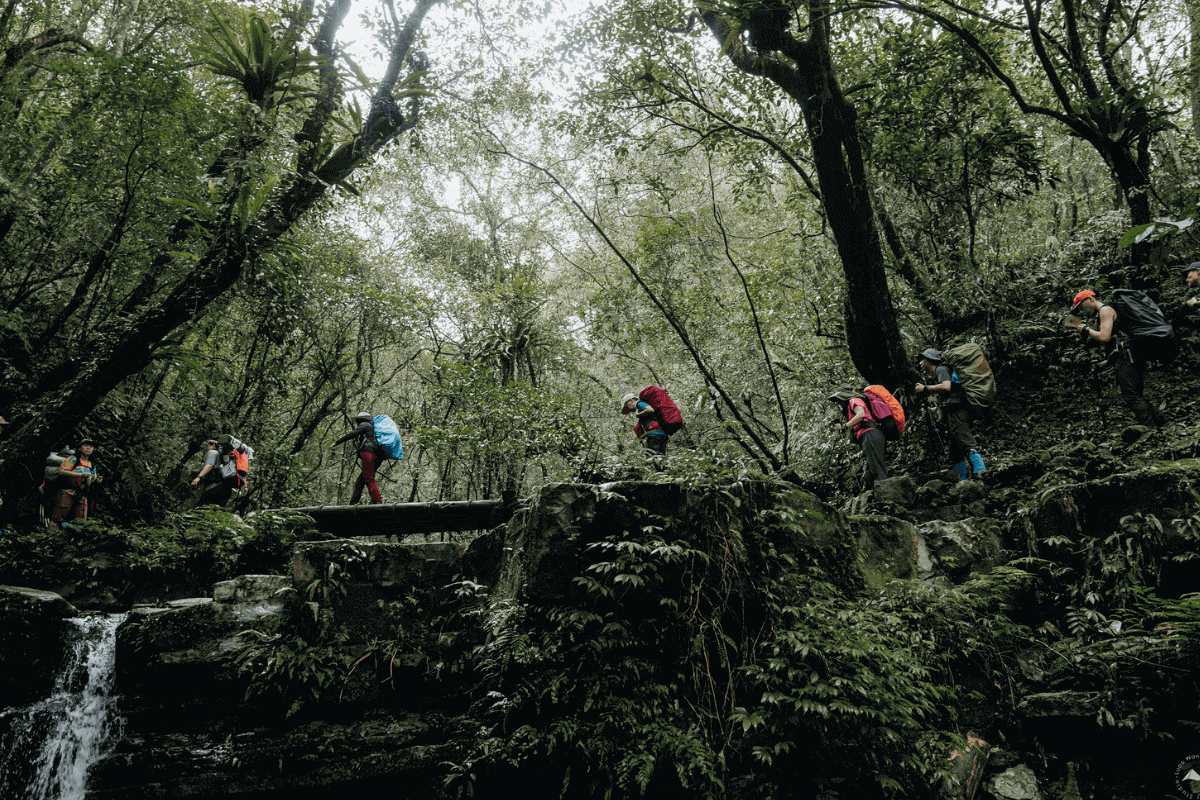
(964, 454)
(1134, 333)
(865, 431)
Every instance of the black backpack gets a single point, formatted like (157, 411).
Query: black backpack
(1139, 318)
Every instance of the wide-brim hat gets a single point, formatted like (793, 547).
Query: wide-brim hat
(843, 394)
(932, 355)
(92, 442)
(625, 400)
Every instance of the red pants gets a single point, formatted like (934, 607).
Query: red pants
(367, 477)
(69, 506)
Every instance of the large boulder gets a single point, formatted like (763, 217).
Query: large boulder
(31, 641)
(891, 547)
(374, 572)
(1166, 489)
(561, 534)
(959, 548)
(195, 643)
(1016, 783)
(380, 754)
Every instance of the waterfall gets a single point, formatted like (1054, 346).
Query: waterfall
(46, 748)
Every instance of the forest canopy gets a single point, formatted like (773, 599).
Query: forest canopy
(493, 220)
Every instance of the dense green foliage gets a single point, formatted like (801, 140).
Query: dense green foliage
(527, 258)
(203, 231)
(710, 647)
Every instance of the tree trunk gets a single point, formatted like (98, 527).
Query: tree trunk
(807, 76)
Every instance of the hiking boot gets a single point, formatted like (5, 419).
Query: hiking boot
(977, 465)
(961, 469)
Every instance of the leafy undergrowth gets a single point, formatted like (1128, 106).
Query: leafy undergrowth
(709, 657)
(96, 564)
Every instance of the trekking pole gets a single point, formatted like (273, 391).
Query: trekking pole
(937, 433)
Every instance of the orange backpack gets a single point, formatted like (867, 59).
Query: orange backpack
(886, 410)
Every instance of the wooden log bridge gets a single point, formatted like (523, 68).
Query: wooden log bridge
(403, 519)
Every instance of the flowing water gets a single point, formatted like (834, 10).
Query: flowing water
(46, 748)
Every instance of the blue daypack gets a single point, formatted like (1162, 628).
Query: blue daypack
(387, 436)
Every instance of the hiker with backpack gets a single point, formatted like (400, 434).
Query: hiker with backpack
(78, 473)
(52, 482)
(658, 417)
(958, 411)
(1134, 333)
(865, 429)
(219, 473)
(368, 456)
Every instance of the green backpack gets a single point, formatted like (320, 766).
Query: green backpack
(974, 373)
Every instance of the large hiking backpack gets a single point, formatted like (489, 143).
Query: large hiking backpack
(664, 407)
(886, 411)
(974, 373)
(1140, 318)
(387, 437)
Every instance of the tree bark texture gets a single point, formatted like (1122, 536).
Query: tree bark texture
(805, 72)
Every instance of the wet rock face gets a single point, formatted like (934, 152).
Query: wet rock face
(190, 643)
(1016, 783)
(382, 753)
(1165, 489)
(891, 547)
(959, 548)
(31, 641)
(551, 542)
(191, 732)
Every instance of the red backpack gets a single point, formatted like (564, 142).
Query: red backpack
(664, 407)
(886, 410)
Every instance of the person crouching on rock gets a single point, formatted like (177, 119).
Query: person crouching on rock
(865, 431)
(368, 456)
(78, 473)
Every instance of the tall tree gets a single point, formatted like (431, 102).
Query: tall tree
(1084, 77)
(789, 49)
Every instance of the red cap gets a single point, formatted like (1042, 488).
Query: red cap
(1079, 298)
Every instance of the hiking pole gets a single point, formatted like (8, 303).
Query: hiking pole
(937, 433)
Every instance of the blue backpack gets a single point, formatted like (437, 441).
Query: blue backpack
(387, 436)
